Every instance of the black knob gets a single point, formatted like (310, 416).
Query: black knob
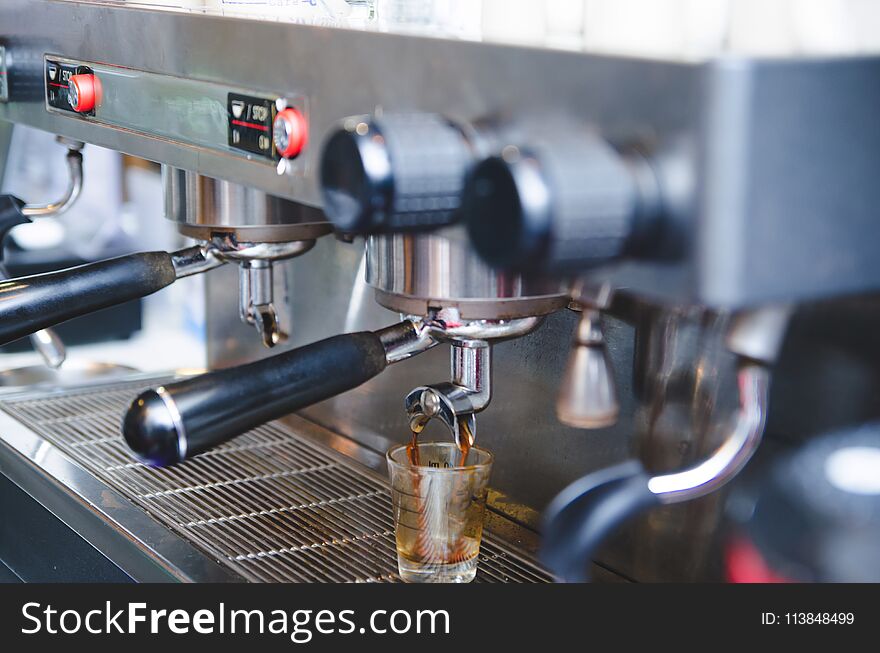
(23, 68)
(401, 172)
(563, 205)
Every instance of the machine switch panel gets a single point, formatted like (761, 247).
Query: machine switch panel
(202, 115)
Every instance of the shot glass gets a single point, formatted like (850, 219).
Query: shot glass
(438, 509)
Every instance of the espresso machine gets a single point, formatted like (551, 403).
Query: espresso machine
(618, 274)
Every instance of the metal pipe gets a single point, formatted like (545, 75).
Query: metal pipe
(256, 300)
(733, 454)
(50, 347)
(405, 340)
(195, 260)
(471, 366)
(446, 326)
(74, 187)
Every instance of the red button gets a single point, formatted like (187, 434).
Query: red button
(290, 133)
(83, 91)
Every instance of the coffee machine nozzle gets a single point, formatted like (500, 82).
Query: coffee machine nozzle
(587, 397)
(585, 513)
(456, 402)
(256, 294)
(248, 227)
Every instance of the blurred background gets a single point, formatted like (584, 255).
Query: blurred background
(658, 28)
(120, 211)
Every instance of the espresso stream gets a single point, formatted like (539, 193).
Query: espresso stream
(458, 550)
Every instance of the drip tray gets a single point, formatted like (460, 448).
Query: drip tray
(272, 505)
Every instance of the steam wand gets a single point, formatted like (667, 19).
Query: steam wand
(585, 513)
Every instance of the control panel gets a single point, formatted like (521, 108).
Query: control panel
(66, 87)
(265, 128)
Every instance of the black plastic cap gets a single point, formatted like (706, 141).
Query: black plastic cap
(589, 511)
(356, 183)
(150, 430)
(506, 206)
(10, 216)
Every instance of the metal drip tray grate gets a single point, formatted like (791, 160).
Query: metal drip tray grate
(272, 505)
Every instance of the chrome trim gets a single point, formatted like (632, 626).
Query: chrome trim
(417, 273)
(201, 206)
(176, 419)
(74, 186)
(733, 454)
(195, 260)
(230, 250)
(405, 340)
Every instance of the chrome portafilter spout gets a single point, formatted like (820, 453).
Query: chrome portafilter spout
(248, 227)
(256, 294)
(469, 391)
(584, 514)
(456, 402)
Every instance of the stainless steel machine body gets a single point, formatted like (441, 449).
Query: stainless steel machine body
(203, 207)
(720, 130)
(414, 273)
(764, 165)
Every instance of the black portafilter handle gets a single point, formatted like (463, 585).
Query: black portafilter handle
(29, 304)
(168, 424)
(587, 513)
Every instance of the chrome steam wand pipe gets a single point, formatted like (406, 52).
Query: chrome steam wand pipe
(756, 337)
(74, 186)
(736, 450)
(585, 513)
